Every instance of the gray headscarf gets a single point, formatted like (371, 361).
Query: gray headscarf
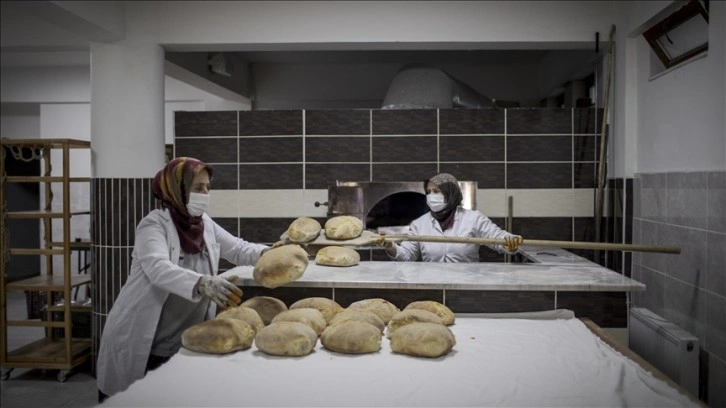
(452, 194)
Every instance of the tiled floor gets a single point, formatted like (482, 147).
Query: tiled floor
(40, 388)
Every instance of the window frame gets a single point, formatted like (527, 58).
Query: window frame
(691, 10)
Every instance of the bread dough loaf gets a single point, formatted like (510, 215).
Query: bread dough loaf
(267, 307)
(309, 316)
(434, 307)
(337, 256)
(360, 315)
(328, 307)
(303, 229)
(383, 308)
(422, 340)
(218, 336)
(286, 339)
(343, 227)
(409, 316)
(246, 314)
(353, 337)
(281, 265)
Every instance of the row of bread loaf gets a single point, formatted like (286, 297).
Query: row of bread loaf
(420, 329)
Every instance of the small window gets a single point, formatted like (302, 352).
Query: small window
(682, 35)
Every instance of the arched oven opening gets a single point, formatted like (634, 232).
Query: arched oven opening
(394, 213)
(387, 206)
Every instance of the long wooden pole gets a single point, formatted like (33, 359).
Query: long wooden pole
(539, 242)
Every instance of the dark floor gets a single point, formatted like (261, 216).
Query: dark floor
(40, 388)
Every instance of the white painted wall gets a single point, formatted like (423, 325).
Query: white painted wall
(680, 122)
(72, 121)
(389, 24)
(19, 121)
(674, 122)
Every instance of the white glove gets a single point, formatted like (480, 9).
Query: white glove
(222, 292)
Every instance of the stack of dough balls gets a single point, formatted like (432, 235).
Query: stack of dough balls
(218, 336)
(327, 307)
(359, 328)
(281, 265)
(303, 229)
(266, 307)
(245, 314)
(420, 330)
(381, 307)
(337, 256)
(343, 227)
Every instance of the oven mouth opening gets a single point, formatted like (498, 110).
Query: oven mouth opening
(394, 213)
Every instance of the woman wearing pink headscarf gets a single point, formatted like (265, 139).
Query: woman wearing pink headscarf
(173, 282)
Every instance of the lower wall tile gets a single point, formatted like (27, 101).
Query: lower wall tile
(606, 309)
(475, 301)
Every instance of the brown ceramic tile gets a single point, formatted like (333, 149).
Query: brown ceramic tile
(230, 225)
(471, 148)
(208, 149)
(586, 148)
(208, 123)
(586, 122)
(404, 122)
(321, 176)
(404, 172)
(270, 176)
(337, 149)
(404, 148)
(550, 228)
(225, 177)
(338, 122)
(539, 175)
(539, 148)
(487, 175)
(539, 120)
(471, 121)
(584, 175)
(272, 122)
(270, 149)
(263, 230)
(124, 200)
(606, 309)
(478, 301)
(399, 297)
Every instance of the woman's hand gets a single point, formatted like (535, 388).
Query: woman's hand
(386, 243)
(512, 243)
(220, 290)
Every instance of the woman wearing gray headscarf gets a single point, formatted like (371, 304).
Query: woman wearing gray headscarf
(448, 218)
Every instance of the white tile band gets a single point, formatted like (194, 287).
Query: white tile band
(492, 202)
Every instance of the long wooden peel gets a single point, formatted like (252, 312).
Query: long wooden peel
(368, 238)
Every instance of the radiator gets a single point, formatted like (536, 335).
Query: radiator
(666, 346)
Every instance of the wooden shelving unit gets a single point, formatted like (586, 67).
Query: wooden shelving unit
(66, 352)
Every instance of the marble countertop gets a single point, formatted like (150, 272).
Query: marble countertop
(553, 256)
(459, 276)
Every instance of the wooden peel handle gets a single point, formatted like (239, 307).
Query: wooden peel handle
(541, 242)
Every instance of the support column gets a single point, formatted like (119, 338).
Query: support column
(127, 148)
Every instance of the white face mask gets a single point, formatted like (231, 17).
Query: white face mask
(198, 204)
(436, 202)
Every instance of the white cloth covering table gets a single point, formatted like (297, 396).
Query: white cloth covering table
(496, 362)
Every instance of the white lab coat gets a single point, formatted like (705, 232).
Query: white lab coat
(129, 332)
(467, 223)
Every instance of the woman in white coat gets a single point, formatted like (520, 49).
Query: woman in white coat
(448, 218)
(173, 282)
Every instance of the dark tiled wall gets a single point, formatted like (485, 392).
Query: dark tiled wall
(687, 210)
(311, 149)
(509, 148)
(118, 205)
